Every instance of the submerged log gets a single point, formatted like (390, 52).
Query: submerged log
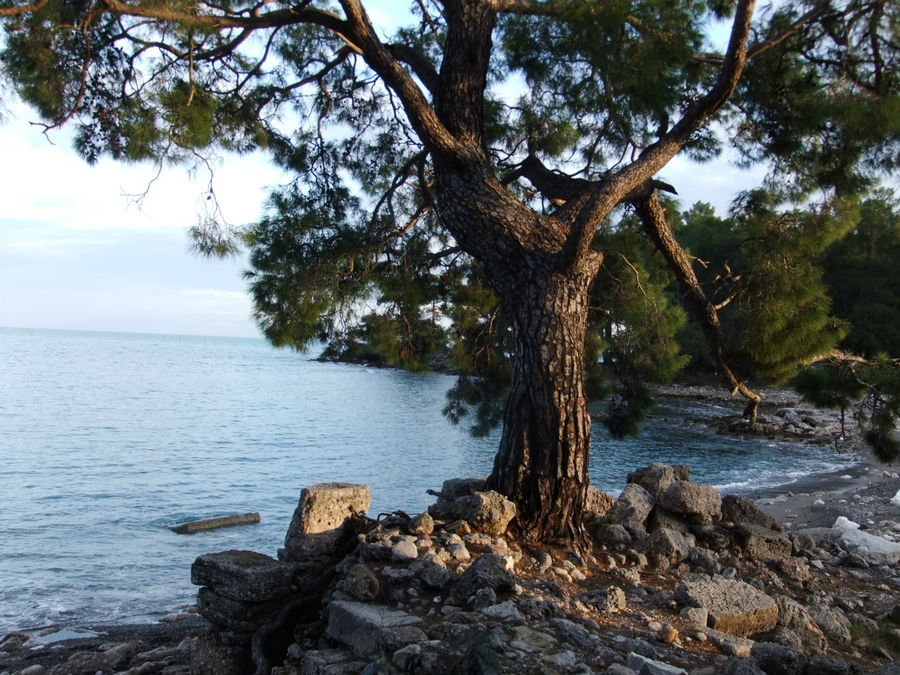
(215, 523)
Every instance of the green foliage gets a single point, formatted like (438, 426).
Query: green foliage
(776, 310)
(863, 275)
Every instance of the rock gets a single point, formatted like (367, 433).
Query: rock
(844, 523)
(636, 645)
(318, 525)
(614, 536)
(329, 662)
(696, 502)
(488, 571)
(452, 489)
(656, 477)
(484, 597)
(739, 509)
(573, 633)
(608, 600)
(777, 659)
(505, 611)
(822, 664)
(741, 666)
(597, 503)
(368, 629)
(793, 615)
(660, 518)
(619, 669)
(421, 524)
(407, 658)
(729, 644)
(785, 637)
(397, 575)
(432, 571)
(210, 657)
(644, 666)
(488, 512)
(361, 583)
(831, 621)
(404, 551)
(734, 607)
(869, 548)
(696, 615)
(761, 543)
(667, 543)
(243, 575)
(632, 508)
(243, 617)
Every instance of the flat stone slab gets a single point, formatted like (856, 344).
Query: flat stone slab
(245, 576)
(733, 607)
(369, 629)
(762, 543)
(216, 523)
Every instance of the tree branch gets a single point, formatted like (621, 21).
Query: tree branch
(23, 9)
(653, 219)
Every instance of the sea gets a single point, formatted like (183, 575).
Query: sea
(107, 439)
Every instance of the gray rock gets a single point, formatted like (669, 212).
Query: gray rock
(734, 607)
(656, 477)
(608, 600)
(644, 666)
(451, 490)
(619, 669)
(408, 657)
(741, 666)
(488, 571)
(432, 571)
(793, 615)
(404, 551)
(777, 659)
(361, 583)
(505, 611)
(484, 597)
(632, 508)
(761, 543)
(729, 644)
(636, 645)
(696, 502)
(739, 509)
(822, 664)
(210, 657)
(696, 615)
(244, 617)
(786, 637)
(397, 575)
(243, 575)
(318, 525)
(329, 662)
(369, 629)
(488, 512)
(831, 621)
(614, 536)
(660, 518)
(421, 524)
(667, 543)
(573, 633)
(869, 548)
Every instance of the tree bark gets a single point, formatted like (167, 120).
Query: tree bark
(542, 463)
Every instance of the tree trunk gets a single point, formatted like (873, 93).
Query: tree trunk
(542, 463)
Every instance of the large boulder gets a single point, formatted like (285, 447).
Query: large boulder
(739, 509)
(733, 607)
(632, 508)
(319, 523)
(761, 543)
(656, 477)
(696, 502)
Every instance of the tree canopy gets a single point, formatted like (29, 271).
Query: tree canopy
(481, 181)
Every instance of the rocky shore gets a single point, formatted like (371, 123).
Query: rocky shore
(679, 580)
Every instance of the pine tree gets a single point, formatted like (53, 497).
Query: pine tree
(417, 174)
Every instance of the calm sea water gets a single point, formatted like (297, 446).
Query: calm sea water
(107, 438)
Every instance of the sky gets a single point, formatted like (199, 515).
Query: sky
(77, 252)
